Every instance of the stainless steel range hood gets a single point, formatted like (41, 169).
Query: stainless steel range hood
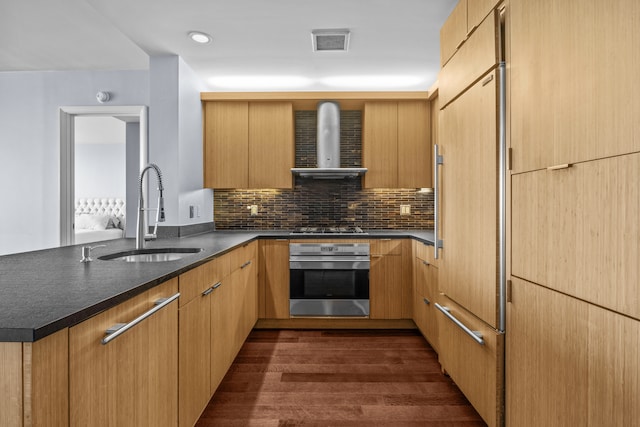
(328, 147)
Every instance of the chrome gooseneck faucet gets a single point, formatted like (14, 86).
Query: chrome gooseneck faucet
(143, 229)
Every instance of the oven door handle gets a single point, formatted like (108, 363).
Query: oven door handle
(330, 265)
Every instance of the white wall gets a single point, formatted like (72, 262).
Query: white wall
(175, 133)
(30, 145)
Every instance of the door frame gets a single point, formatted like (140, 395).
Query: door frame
(67, 155)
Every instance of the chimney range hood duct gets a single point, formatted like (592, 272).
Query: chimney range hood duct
(328, 148)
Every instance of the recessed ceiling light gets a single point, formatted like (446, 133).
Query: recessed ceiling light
(200, 37)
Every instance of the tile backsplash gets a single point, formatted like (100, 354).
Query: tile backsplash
(324, 202)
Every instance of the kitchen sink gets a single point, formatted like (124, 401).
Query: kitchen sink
(151, 255)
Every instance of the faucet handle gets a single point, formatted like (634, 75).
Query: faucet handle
(86, 252)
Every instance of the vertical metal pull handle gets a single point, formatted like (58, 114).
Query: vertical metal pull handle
(437, 161)
(477, 336)
(120, 328)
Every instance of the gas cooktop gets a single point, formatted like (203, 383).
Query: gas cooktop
(328, 230)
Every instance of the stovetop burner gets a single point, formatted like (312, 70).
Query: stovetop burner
(329, 230)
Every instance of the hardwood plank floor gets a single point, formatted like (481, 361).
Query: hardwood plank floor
(312, 378)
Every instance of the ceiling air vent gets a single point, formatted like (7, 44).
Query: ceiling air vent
(330, 40)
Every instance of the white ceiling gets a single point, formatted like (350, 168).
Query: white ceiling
(393, 45)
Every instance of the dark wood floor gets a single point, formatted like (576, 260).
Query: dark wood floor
(337, 378)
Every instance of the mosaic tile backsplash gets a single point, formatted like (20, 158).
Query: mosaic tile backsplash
(324, 203)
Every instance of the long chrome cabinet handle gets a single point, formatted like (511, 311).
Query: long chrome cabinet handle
(120, 328)
(502, 194)
(477, 336)
(437, 161)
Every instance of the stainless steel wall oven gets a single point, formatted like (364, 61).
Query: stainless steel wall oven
(329, 279)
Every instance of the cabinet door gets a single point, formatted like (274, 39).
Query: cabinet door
(425, 297)
(380, 144)
(226, 144)
(386, 279)
(468, 268)
(132, 380)
(478, 370)
(271, 145)
(274, 279)
(475, 58)
(222, 325)
(453, 32)
(477, 10)
(194, 358)
(574, 81)
(414, 145)
(576, 230)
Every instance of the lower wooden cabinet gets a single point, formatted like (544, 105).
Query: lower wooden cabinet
(132, 380)
(274, 279)
(425, 293)
(34, 379)
(477, 369)
(582, 361)
(390, 279)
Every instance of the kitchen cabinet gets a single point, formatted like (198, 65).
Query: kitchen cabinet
(243, 282)
(396, 146)
(453, 32)
(572, 75)
(479, 54)
(273, 279)
(34, 382)
(575, 230)
(477, 369)
(390, 279)
(248, 144)
(425, 289)
(463, 20)
(583, 357)
(132, 380)
(469, 145)
(196, 381)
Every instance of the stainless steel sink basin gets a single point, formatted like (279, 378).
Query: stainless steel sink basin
(151, 255)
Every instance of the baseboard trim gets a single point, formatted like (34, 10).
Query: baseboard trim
(334, 323)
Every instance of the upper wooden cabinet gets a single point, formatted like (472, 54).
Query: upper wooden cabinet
(396, 144)
(464, 19)
(574, 81)
(248, 144)
(476, 57)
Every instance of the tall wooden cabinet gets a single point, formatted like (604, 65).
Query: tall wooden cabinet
(248, 144)
(425, 292)
(470, 336)
(396, 144)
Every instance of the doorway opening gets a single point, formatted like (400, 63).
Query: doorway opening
(136, 159)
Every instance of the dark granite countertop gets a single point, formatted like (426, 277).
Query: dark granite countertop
(44, 291)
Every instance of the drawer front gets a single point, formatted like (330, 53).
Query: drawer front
(475, 57)
(239, 256)
(192, 284)
(476, 369)
(426, 318)
(425, 252)
(386, 247)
